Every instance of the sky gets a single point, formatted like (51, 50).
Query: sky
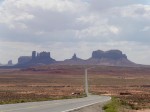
(65, 27)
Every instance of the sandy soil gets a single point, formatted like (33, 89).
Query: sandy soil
(148, 110)
(57, 82)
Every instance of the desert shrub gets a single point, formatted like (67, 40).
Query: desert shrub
(112, 106)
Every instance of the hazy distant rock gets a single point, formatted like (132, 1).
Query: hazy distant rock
(24, 59)
(10, 63)
(41, 58)
(98, 54)
(110, 58)
(99, 57)
(115, 54)
(73, 61)
(74, 57)
(112, 54)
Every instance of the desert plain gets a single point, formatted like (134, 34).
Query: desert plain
(131, 85)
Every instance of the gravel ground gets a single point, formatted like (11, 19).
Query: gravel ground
(92, 108)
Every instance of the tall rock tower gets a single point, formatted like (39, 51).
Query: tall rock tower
(33, 55)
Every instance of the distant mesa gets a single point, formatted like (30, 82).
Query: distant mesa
(110, 58)
(112, 54)
(10, 63)
(24, 59)
(97, 54)
(41, 58)
(98, 57)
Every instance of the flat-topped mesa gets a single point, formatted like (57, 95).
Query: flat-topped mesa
(109, 58)
(42, 57)
(24, 59)
(111, 54)
(98, 54)
(36, 59)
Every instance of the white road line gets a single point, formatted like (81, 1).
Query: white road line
(56, 103)
(85, 105)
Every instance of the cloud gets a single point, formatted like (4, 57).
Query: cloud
(132, 19)
(101, 5)
(74, 26)
(21, 19)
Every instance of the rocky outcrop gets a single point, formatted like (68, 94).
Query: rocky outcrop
(112, 54)
(24, 59)
(74, 57)
(97, 54)
(73, 61)
(41, 58)
(99, 57)
(109, 58)
(10, 63)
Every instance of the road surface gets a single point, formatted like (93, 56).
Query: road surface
(54, 106)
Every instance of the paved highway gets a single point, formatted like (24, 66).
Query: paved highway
(54, 106)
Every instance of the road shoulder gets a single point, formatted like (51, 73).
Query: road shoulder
(93, 108)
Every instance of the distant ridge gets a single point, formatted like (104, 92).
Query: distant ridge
(99, 57)
(73, 61)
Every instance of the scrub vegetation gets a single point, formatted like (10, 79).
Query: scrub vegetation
(130, 85)
(112, 106)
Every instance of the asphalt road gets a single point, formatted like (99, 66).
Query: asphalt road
(54, 106)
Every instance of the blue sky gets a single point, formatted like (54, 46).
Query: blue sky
(74, 26)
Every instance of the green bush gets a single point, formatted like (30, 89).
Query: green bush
(112, 106)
